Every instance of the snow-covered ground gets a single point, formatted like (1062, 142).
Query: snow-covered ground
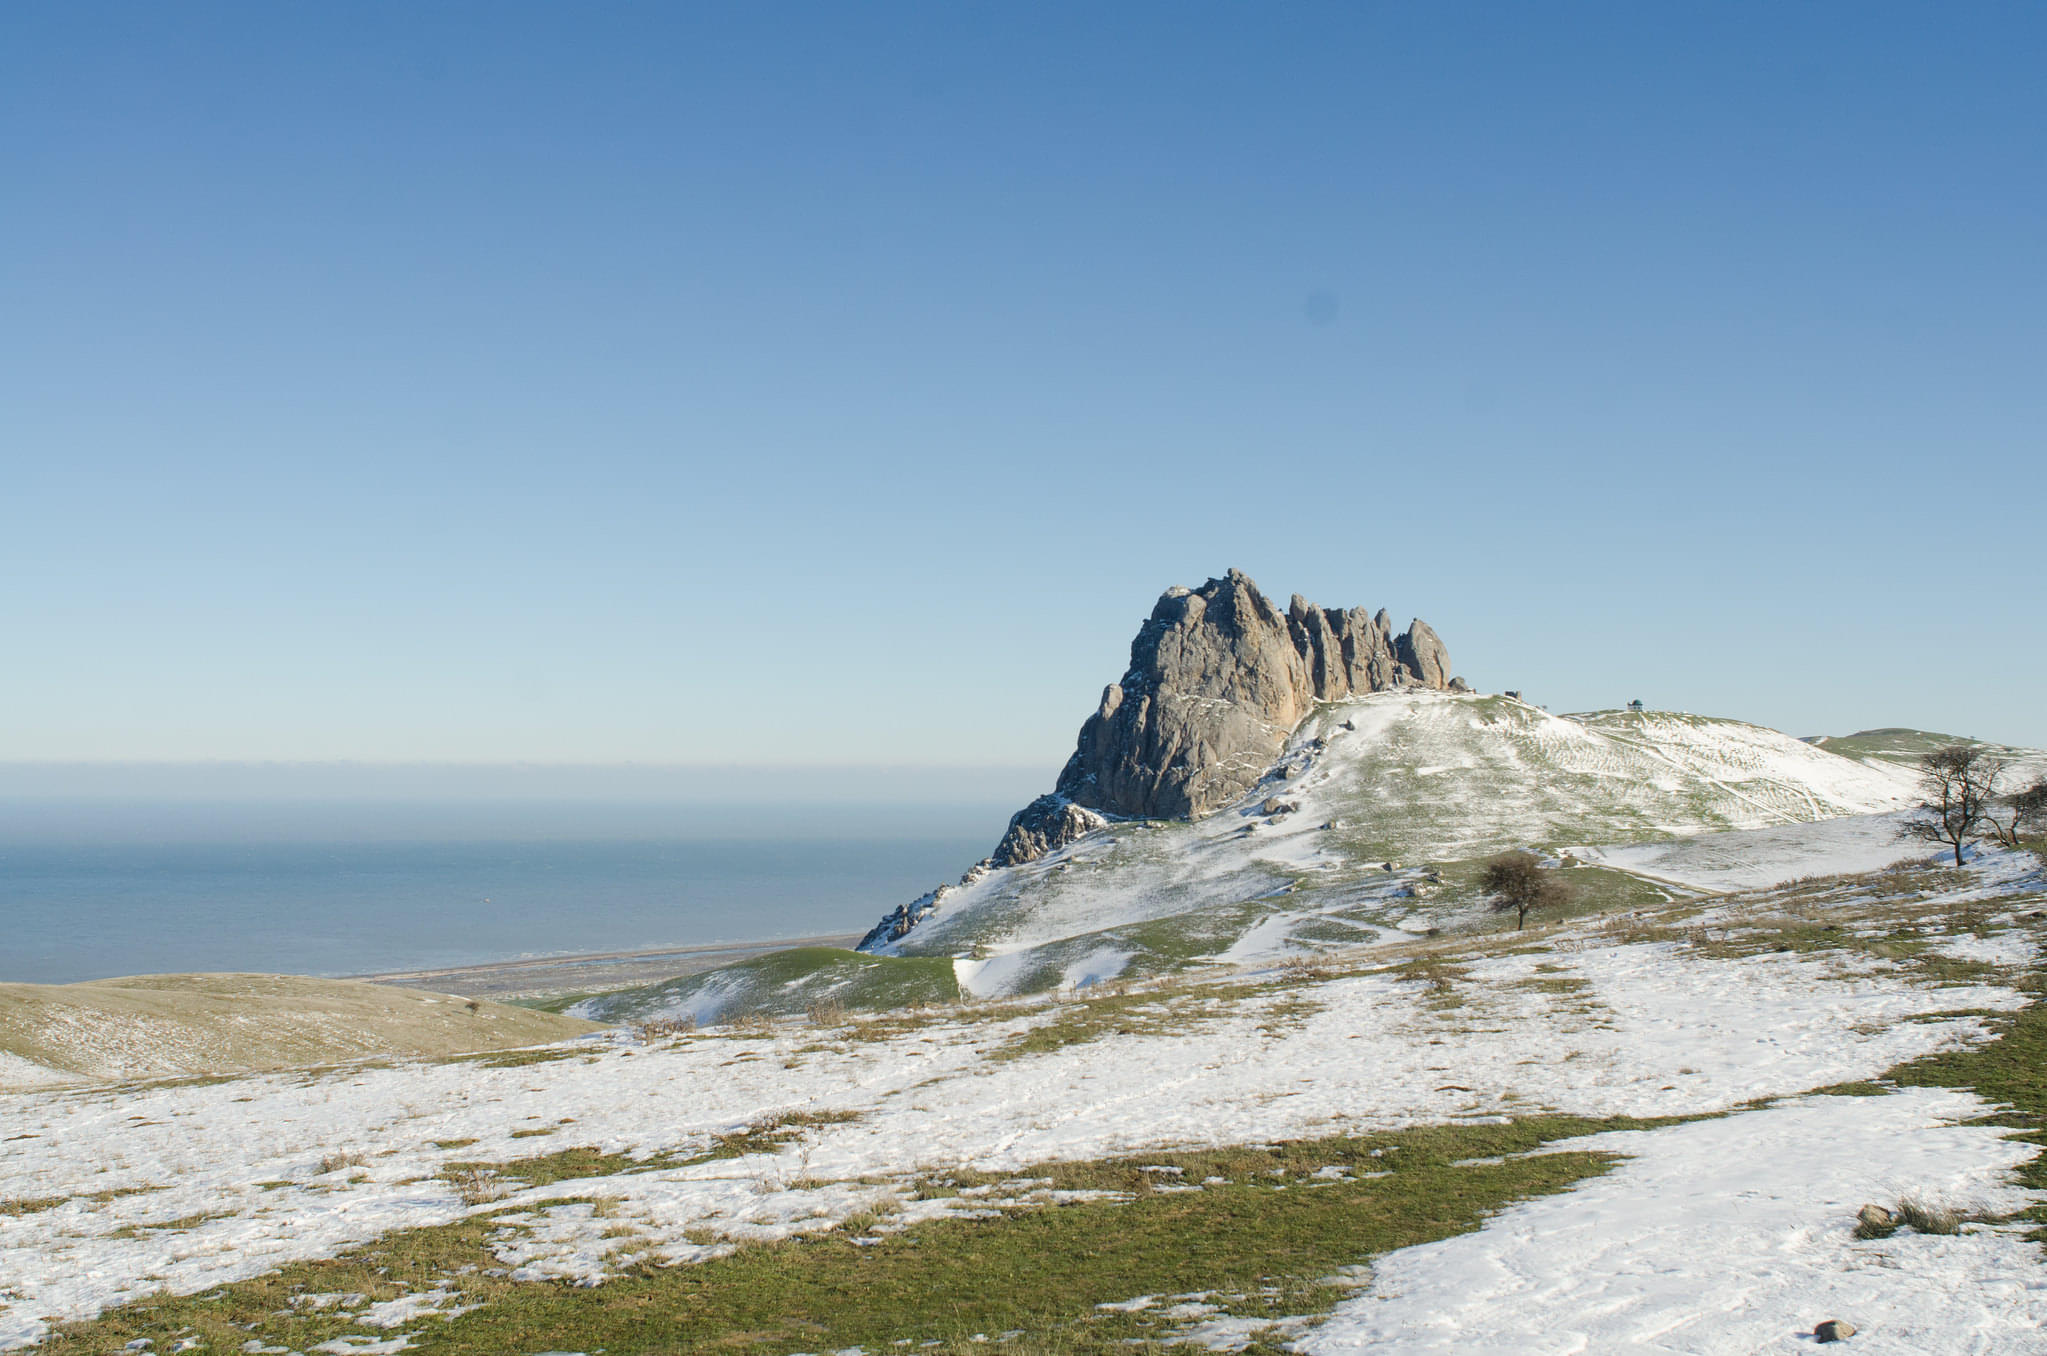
(1733, 1236)
(187, 1187)
(1751, 859)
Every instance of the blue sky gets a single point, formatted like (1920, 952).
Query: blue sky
(840, 384)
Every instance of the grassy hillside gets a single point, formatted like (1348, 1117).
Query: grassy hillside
(162, 1026)
(1895, 744)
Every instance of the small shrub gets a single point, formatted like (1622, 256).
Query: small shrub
(1304, 970)
(477, 1186)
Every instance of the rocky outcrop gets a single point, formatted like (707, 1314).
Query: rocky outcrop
(1045, 825)
(899, 920)
(1218, 678)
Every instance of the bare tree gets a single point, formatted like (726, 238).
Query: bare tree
(1960, 786)
(2010, 816)
(1519, 885)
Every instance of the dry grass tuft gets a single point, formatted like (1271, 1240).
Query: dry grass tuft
(1924, 1217)
(1920, 1216)
(1305, 970)
(477, 1186)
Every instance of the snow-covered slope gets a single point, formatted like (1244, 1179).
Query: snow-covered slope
(1727, 1235)
(1373, 797)
(791, 983)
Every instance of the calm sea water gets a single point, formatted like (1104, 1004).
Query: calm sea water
(84, 909)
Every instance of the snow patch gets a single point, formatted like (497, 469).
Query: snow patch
(1733, 1235)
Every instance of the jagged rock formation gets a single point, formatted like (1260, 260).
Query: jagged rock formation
(1218, 679)
(899, 920)
(1045, 825)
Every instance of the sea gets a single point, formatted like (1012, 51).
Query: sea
(97, 891)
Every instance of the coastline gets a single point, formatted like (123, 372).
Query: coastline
(546, 977)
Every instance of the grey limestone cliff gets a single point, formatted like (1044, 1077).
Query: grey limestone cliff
(1218, 678)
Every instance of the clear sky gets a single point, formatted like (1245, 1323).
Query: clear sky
(840, 384)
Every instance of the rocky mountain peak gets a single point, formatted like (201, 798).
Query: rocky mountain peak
(1218, 678)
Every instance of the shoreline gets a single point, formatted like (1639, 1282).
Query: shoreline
(591, 972)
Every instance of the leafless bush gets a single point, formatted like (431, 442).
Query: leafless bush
(1960, 786)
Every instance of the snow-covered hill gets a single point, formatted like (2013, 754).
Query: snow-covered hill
(1373, 798)
(1368, 827)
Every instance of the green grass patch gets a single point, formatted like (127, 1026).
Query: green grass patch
(1264, 1238)
(582, 1162)
(517, 1059)
(169, 1226)
(1594, 890)
(1143, 1013)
